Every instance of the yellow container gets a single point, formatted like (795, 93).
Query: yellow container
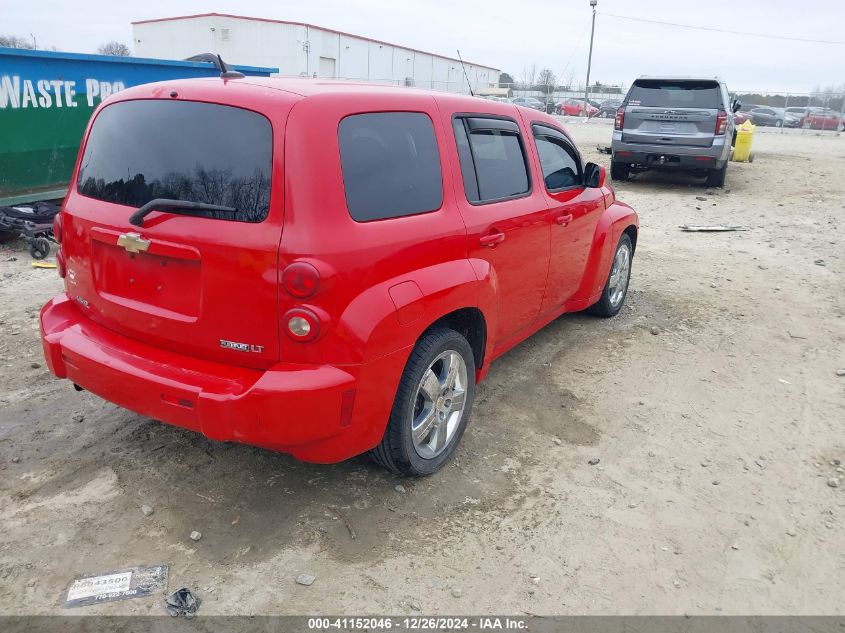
(742, 147)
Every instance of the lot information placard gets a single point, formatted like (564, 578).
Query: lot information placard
(134, 582)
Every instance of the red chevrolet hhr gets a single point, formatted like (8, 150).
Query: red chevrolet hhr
(322, 268)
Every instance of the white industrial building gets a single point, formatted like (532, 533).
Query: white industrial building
(305, 50)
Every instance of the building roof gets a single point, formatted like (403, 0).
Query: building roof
(311, 26)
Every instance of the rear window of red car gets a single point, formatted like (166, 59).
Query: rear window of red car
(138, 151)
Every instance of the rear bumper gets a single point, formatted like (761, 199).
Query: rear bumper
(307, 410)
(671, 156)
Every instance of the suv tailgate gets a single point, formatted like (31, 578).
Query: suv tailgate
(672, 112)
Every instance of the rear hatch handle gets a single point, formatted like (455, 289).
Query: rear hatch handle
(182, 207)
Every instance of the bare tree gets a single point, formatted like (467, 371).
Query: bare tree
(529, 76)
(547, 80)
(118, 49)
(12, 41)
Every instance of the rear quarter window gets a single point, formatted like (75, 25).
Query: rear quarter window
(391, 165)
(138, 151)
(675, 94)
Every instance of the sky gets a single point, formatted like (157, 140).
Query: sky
(513, 35)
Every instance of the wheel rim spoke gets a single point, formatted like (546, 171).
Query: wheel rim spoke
(422, 429)
(430, 387)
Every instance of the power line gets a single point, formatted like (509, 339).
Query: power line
(707, 28)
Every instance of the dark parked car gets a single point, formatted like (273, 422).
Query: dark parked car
(529, 102)
(607, 110)
(777, 117)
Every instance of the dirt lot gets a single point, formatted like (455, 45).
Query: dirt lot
(712, 402)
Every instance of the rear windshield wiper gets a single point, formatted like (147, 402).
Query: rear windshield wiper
(183, 207)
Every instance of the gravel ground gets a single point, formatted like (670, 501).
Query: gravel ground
(712, 402)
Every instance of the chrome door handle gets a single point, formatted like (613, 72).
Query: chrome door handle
(492, 240)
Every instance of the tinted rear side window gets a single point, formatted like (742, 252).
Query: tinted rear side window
(391, 165)
(141, 150)
(675, 94)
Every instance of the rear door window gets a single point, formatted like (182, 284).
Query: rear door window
(391, 165)
(138, 151)
(493, 162)
(661, 93)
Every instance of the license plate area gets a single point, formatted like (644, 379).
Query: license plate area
(156, 284)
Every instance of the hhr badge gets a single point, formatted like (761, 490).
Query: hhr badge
(241, 347)
(133, 243)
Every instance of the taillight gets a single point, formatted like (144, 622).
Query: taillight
(57, 227)
(619, 122)
(721, 122)
(300, 279)
(301, 324)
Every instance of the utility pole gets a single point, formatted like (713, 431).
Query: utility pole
(593, 4)
(34, 43)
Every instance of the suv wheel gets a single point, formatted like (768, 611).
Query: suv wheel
(616, 287)
(432, 406)
(716, 177)
(619, 171)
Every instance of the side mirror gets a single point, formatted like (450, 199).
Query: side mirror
(737, 104)
(594, 175)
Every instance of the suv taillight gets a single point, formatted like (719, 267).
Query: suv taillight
(721, 122)
(620, 118)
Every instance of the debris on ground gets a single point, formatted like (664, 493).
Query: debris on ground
(195, 536)
(134, 582)
(457, 593)
(833, 482)
(48, 265)
(840, 372)
(399, 488)
(819, 262)
(594, 461)
(182, 602)
(702, 198)
(655, 330)
(147, 510)
(305, 579)
(78, 418)
(712, 228)
(604, 149)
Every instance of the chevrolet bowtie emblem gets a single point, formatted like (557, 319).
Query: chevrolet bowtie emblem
(133, 242)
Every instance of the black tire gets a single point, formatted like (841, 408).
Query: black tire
(39, 248)
(8, 236)
(716, 177)
(396, 452)
(619, 171)
(604, 307)
(778, 123)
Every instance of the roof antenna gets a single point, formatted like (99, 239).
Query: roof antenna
(218, 62)
(465, 74)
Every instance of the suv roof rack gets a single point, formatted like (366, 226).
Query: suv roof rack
(218, 62)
